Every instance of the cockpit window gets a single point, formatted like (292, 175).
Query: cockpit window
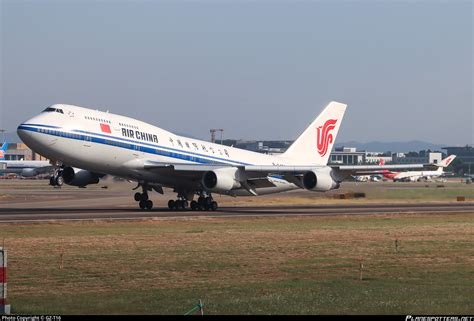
(51, 109)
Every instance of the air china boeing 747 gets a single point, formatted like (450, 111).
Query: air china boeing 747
(87, 144)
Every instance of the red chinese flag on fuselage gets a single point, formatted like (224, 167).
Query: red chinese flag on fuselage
(105, 128)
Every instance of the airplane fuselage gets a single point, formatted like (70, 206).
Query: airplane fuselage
(414, 175)
(112, 144)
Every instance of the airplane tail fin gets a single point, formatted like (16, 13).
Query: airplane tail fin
(3, 149)
(314, 145)
(445, 162)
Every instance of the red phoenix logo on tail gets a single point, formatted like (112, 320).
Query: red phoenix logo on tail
(324, 137)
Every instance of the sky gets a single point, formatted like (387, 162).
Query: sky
(257, 69)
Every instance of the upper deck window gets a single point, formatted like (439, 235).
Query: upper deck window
(51, 109)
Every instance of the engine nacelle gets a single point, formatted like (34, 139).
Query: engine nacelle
(319, 180)
(28, 172)
(79, 177)
(221, 180)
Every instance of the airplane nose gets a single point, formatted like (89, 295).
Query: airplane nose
(22, 132)
(28, 134)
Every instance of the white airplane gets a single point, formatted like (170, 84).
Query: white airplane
(369, 178)
(22, 167)
(102, 143)
(413, 176)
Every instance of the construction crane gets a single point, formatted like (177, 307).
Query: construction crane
(213, 134)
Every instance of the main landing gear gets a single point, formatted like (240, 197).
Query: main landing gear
(202, 204)
(142, 198)
(57, 178)
(205, 202)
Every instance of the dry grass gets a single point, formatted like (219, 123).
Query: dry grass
(245, 265)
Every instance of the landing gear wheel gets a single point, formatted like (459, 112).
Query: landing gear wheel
(148, 205)
(59, 180)
(144, 197)
(137, 197)
(171, 204)
(194, 205)
(213, 206)
(182, 204)
(201, 200)
(142, 205)
(52, 181)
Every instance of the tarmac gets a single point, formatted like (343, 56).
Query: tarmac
(33, 201)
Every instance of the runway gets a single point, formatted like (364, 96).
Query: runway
(27, 201)
(55, 214)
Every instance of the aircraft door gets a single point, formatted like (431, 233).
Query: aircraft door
(87, 141)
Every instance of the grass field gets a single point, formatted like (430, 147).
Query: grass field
(302, 265)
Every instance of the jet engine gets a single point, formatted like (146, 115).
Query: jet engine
(79, 177)
(221, 180)
(319, 180)
(28, 172)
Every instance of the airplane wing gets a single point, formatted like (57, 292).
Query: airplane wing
(290, 173)
(378, 169)
(269, 169)
(251, 180)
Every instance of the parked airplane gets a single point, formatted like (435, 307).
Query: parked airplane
(22, 167)
(103, 143)
(413, 176)
(372, 178)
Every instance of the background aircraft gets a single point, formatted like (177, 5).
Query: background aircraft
(21, 167)
(413, 176)
(376, 177)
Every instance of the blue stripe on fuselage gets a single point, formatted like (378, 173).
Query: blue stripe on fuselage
(128, 144)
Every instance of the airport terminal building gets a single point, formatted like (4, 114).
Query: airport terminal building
(19, 151)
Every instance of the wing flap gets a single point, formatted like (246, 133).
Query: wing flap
(260, 182)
